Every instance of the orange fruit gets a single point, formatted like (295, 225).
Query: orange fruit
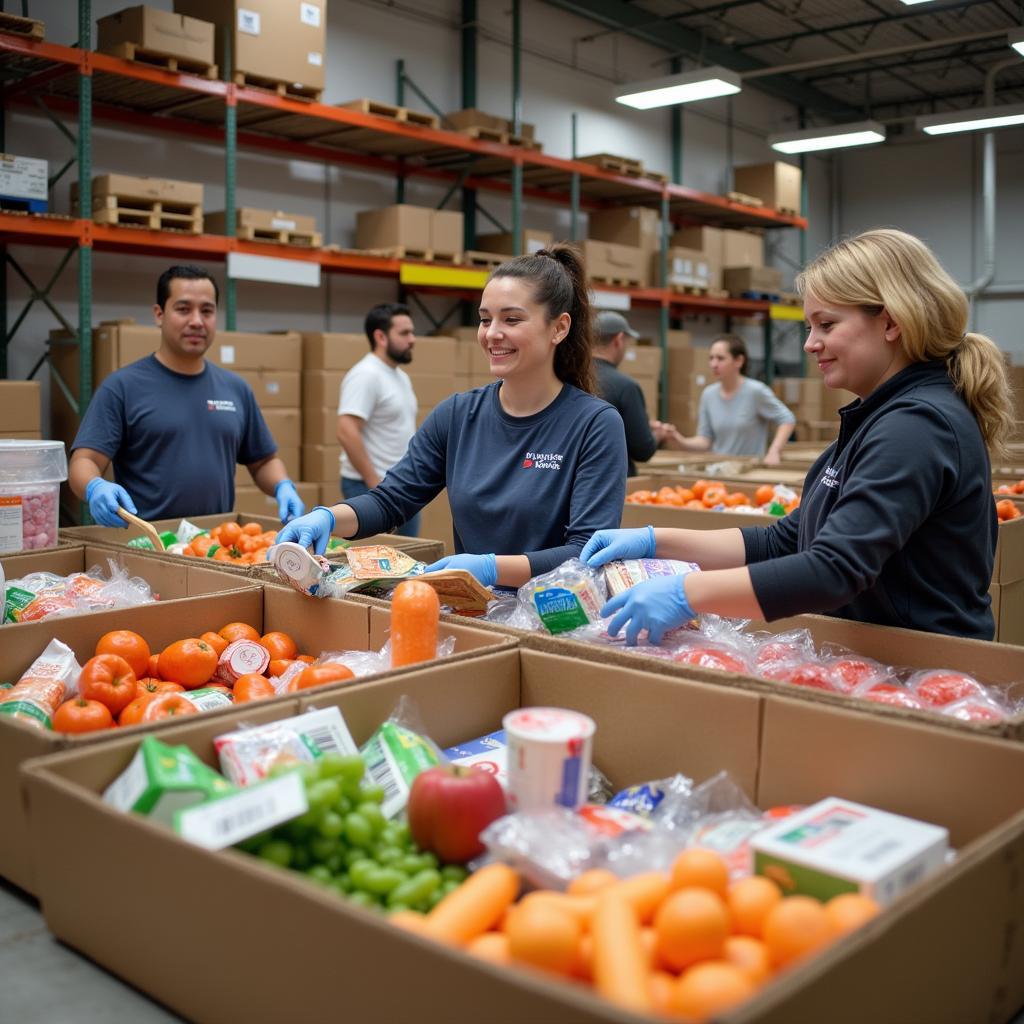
(277, 667)
(700, 867)
(691, 925)
(280, 645)
(591, 881)
(252, 530)
(750, 956)
(736, 498)
(128, 645)
(794, 928)
(239, 631)
(253, 686)
(749, 901)
(764, 495)
(229, 533)
(492, 946)
(153, 669)
(714, 496)
(709, 989)
(847, 912)
(307, 658)
(189, 662)
(700, 487)
(215, 640)
(663, 987)
(543, 936)
(320, 675)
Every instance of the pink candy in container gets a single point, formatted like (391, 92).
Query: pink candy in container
(30, 477)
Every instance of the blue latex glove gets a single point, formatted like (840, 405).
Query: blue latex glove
(104, 497)
(612, 545)
(483, 567)
(289, 504)
(311, 530)
(657, 605)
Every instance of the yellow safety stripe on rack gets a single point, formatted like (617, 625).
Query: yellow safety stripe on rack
(779, 312)
(442, 277)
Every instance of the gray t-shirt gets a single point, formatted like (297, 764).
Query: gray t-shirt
(739, 425)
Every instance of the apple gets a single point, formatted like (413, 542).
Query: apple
(449, 806)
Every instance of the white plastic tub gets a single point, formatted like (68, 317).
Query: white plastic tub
(30, 477)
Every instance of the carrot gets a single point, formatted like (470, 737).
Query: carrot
(620, 962)
(579, 906)
(645, 893)
(415, 612)
(475, 907)
(410, 920)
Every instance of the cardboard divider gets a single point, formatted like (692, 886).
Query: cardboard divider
(950, 950)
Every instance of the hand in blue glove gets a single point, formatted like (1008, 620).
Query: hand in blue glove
(289, 504)
(483, 567)
(657, 605)
(311, 530)
(612, 545)
(104, 498)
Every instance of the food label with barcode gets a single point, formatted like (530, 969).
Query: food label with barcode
(394, 756)
(229, 820)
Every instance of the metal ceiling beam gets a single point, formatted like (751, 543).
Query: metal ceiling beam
(916, 62)
(626, 18)
(862, 23)
(677, 16)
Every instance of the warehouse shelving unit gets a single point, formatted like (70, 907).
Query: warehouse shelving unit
(96, 87)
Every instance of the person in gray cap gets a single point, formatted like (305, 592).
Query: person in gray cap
(643, 435)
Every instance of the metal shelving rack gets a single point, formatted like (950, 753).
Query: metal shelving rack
(96, 87)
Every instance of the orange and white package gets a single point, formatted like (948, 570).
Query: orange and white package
(49, 680)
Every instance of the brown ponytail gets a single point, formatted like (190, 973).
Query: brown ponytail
(560, 286)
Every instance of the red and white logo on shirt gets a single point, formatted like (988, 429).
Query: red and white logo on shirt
(220, 405)
(542, 460)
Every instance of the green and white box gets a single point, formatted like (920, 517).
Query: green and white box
(837, 846)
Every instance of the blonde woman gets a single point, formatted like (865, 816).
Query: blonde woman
(897, 524)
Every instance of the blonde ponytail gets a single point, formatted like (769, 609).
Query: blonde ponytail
(978, 371)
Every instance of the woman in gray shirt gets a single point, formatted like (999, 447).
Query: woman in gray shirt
(736, 412)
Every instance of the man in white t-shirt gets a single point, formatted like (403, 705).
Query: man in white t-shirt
(377, 409)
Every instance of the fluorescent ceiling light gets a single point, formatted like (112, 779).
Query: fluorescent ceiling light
(701, 84)
(976, 120)
(910, 3)
(837, 136)
(1016, 40)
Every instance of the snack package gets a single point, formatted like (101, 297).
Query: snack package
(50, 680)
(251, 754)
(620, 576)
(566, 598)
(363, 568)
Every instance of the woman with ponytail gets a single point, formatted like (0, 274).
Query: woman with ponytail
(533, 463)
(897, 523)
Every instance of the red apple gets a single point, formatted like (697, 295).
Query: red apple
(449, 806)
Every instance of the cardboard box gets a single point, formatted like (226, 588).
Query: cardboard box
(285, 425)
(319, 426)
(133, 186)
(651, 388)
(638, 226)
(260, 220)
(321, 462)
(737, 280)
(742, 249)
(472, 118)
(271, 40)
(777, 184)
(1008, 611)
(239, 350)
(322, 351)
(616, 264)
(701, 238)
(433, 389)
(688, 268)
(274, 389)
(321, 389)
(889, 970)
(24, 177)
(289, 455)
(503, 242)
(396, 227)
(446, 233)
(431, 356)
(158, 32)
(641, 361)
(252, 501)
(19, 407)
(678, 339)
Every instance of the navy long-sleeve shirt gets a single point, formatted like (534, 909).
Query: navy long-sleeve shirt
(537, 485)
(897, 524)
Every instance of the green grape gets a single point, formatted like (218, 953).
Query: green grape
(277, 851)
(410, 863)
(402, 834)
(416, 889)
(323, 794)
(357, 830)
(429, 859)
(383, 880)
(373, 794)
(434, 898)
(389, 856)
(322, 847)
(449, 886)
(361, 871)
(301, 858)
(348, 768)
(310, 773)
(297, 831)
(343, 883)
(344, 806)
(335, 862)
(394, 908)
(363, 899)
(454, 872)
(373, 815)
(319, 874)
(352, 855)
(331, 825)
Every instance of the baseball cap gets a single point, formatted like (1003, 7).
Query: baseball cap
(610, 323)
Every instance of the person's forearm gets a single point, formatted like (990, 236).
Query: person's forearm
(727, 592)
(351, 439)
(782, 435)
(346, 522)
(268, 474)
(710, 549)
(513, 570)
(697, 443)
(81, 470)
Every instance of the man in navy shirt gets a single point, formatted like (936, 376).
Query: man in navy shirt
(175, 425)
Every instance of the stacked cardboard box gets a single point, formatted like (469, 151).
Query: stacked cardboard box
(20, 415)
(188, 41)
(631, 235)
(503, 242)
(266, 226)
(815, 406)
(489, 124)
(776, 184)
(412, 231)
(688, 269)
(643, 364)
(276, 42)
(735, 258)
(142, 201)
(687, 377)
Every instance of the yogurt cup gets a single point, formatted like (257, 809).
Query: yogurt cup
(297, 566)
(549, 754)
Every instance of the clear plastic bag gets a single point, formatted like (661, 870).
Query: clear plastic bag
(49, 681)
(566, 598)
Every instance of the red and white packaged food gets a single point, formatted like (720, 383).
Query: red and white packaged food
(891, 694)
(239, 658)
(978, 708)
(812, 674)
(795, 645)
(848, 671)
(721, 657)
(939, 687)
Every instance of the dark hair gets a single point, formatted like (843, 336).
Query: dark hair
(184, 272)
(737, 348)
(379, 318)
(560, 285)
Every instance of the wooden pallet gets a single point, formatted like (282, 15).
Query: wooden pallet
(689, 289)
(484, 260)
(486, 134)
(452, 259)
(172, 62)
(307, 239)
(790, 299)
(744, 199)
(393, 112)
(618, 282)
(616, 164)
(292, 90)
(30, 28)
(398, 252)
(155, 214)
(787, 211)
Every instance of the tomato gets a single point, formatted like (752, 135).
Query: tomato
(167, 705)
(153, 670)
(201, 545)
(887, 693)
(307, 658)
(764, 495)
(130, 646)
(229, 533)
(280, 645)
(253, 686)
(709, 657)
(190, 662)
(132, 714)
(215, 640)
(320, 675)
(109, 679)
(82, 715)
(148, 687)
(239, 631)
(807, 673)
(252, 530)
(278, 667)
(941, 688)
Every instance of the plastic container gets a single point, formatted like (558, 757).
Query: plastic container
(30, 477)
